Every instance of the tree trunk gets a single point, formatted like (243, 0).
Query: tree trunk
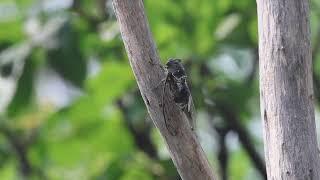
(286, 90)
(183, 145)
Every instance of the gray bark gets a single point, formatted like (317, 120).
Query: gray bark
(286, 90)
(183, 146)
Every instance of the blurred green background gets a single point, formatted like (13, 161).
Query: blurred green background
(70, 107)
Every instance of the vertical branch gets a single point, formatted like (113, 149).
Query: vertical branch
(184, 147)
(223, 156)
(286, 91)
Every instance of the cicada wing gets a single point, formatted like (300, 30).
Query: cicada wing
(191, 112)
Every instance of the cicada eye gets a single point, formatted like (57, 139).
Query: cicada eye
(170, 61)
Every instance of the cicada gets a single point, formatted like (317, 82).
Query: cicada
(176, 82)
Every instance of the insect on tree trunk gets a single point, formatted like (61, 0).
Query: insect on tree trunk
(286, 91)
(185, 150)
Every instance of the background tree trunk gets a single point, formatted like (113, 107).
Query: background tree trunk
(184, 147)
(286, 90)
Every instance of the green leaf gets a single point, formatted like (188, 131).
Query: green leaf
(11, 24)
(137, 173)
(15, 33)
(85, 144)
(113, 80)
(253, 30)
(24, 91)
(239, 170)
(5, 151)
(9, 171)
(114, 170)
(66, 58)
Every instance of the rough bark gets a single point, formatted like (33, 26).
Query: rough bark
(286, 91)
(184, 147)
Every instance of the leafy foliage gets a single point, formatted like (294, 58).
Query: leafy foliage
(69, 101)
